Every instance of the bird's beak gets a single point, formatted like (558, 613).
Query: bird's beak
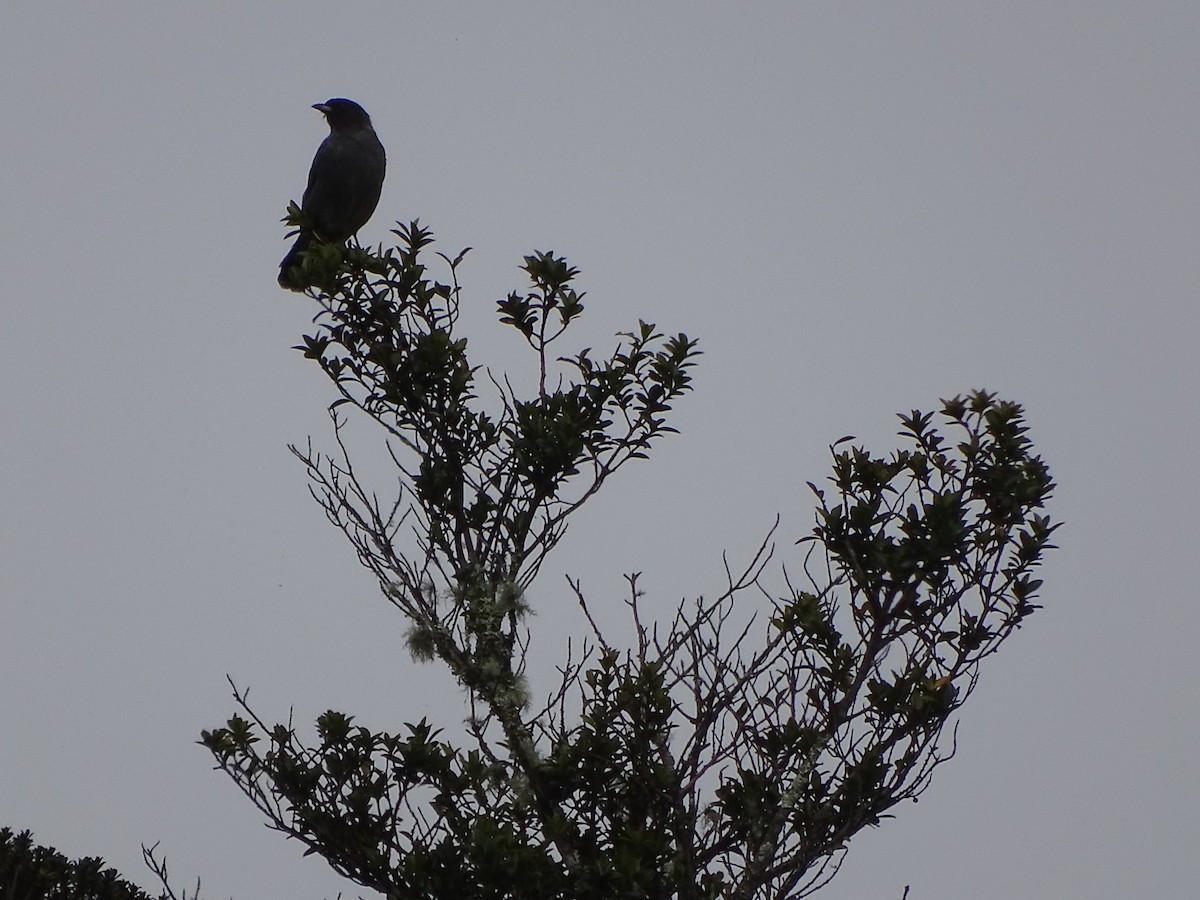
(323, 107)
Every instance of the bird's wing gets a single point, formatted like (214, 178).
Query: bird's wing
(344, 184)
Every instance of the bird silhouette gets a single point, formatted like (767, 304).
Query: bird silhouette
(344, 184)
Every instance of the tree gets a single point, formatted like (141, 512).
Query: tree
(731, 752)
(30, 871)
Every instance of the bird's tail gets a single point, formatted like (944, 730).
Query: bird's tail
(289, 268)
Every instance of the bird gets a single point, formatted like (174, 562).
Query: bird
(344, 184)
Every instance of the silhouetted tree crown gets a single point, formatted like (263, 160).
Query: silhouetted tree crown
(30, 871)
(731, 750)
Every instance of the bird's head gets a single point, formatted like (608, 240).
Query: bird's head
(343, 114)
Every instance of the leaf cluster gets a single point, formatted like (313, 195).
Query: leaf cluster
(493, 486)
(410, 816)
(30, 871)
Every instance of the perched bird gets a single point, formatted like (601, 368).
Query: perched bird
(343, 184)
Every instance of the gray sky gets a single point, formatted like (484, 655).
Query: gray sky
(858, 209)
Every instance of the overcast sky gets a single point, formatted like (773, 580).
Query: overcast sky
(857, 208)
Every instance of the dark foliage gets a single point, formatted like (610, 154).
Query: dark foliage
(29, 871)
(734, 750)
